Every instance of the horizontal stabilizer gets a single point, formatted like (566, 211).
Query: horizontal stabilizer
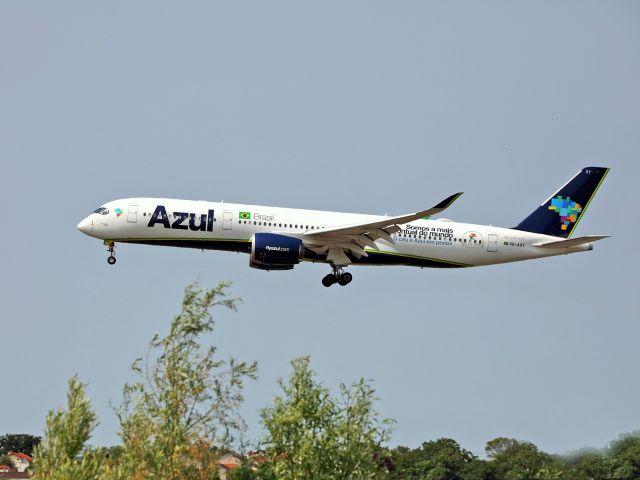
(574, 242)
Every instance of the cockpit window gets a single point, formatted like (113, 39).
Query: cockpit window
(102, 211)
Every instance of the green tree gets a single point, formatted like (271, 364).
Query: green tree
(250, 470)
(311, 435)
(62, 454)
(18, 442)
(499, 445)
(185, 404)
(6, 460)
(441, 459)
(478, 469)
(586, 464)
(515, 460)
(623, 457)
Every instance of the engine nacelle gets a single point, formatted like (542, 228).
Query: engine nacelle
(270, 251)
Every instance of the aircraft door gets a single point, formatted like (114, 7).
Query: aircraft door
(132, 214)
(227, 220)
(492, 244)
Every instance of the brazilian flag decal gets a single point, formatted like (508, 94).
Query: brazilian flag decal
(245, 216)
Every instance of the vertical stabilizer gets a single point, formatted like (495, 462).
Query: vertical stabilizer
(560, 214)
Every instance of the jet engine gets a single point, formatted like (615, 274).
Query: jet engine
(270, 251)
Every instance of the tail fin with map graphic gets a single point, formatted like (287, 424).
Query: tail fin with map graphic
(560, 214)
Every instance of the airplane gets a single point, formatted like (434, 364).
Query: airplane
(280, 238)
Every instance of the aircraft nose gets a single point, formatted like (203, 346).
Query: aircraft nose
(85, 226)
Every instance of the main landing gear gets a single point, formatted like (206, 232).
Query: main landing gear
(338, 276)
(111, 259)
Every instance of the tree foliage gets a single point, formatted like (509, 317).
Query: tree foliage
(512, 459)
(623, 457)
(499, 445)
(586, 464)
(185, 405)
(441, 459)
(520, 461)
(182, 413)
(63, 453)
(18, 442)
(173, 421)
(312, 435)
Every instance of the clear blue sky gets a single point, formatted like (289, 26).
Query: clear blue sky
(361, 106)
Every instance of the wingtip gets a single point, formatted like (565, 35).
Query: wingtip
(448, 201)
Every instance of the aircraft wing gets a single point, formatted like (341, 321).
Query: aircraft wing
(363, 228)
(573, 242)
(337, 241)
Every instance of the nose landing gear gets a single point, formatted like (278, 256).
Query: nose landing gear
(111, 259)
(337, 276)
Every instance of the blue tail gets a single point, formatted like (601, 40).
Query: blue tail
(560, 214)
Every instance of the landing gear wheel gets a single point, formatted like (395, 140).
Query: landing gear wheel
(111, 260)
(337, 276)
(329, 280)
(345, 279)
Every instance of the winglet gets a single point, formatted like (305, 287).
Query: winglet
(446, 203)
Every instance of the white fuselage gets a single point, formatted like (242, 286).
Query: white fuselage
(231, 227)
